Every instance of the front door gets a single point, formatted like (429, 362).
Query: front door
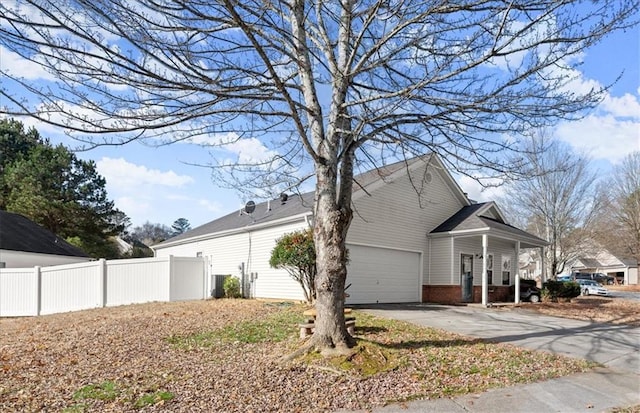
(466, 277)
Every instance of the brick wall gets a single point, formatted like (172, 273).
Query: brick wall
(451, 294)
(441, 294)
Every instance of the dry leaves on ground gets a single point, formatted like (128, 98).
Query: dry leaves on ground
(595, 309)
(173, 357)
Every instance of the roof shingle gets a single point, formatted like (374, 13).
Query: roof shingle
(18, 233)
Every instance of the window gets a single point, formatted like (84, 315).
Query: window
(506, 270)
(199, 254)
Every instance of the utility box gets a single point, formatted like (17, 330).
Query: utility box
(218, 285)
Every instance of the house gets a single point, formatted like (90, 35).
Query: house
(625, 270)
(530, 267)
(415, 236)
(23, 243)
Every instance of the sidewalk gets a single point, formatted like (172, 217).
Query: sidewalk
(617, 384)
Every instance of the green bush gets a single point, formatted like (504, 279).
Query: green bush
(296, 253)
(231, 287)
(552, 290)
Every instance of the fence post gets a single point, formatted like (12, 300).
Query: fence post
(38, 275)
(102, 273)
(171, 271)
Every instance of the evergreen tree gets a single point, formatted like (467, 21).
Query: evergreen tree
(54, 188)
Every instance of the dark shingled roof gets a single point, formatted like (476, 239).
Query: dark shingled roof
(18, 233)
(295, 205)
(467, 218)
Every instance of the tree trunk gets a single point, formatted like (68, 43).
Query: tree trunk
(332, 220)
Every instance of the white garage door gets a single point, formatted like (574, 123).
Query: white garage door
(381, 275)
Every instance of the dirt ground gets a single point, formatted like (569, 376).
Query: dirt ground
(121, 359)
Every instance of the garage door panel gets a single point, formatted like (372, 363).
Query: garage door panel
(381, 275)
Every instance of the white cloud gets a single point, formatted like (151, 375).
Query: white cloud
(477, 192)
(18, 66)
(624, 106)
(603, 137)
(125, 175)
(611, 131)
(213, 139)
(250, 150)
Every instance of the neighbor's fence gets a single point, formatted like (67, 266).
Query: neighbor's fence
(102, 283)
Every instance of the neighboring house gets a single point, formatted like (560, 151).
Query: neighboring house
(23, 243)
(530, 266)
(415, 236)
(625, 270)
(123, 246)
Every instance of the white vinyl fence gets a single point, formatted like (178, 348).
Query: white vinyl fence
(102, 283)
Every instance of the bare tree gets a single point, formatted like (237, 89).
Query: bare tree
(326, 87)
(557, 201)
(619, 220)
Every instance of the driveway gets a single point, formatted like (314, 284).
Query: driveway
(615, 346)
(626, 295)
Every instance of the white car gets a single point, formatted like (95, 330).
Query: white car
(591, 287)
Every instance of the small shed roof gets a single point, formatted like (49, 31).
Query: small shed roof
(18, 233)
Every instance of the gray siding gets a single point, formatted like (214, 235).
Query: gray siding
(440, 263)
(497, 247)
(396, 216)
(253, 248)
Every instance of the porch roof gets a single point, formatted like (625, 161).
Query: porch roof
(469, 220)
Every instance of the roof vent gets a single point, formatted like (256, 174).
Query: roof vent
(283, 198)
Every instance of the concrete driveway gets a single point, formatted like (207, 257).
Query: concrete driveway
(615, 347)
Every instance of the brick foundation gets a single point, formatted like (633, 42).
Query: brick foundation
(452, 294)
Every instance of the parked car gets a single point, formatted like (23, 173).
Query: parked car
(598, 277)
(564, 278)
(591, 287)
(527, 292)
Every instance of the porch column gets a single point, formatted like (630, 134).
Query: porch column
(485, 278)
(543, 269)
(517, 294)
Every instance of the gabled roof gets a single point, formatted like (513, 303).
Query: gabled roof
(302, 204)
(369, 181)
(469, 219)
(18, 233)
(590, 262)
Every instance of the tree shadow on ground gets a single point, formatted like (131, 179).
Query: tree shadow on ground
(417, 344)
(371, 329)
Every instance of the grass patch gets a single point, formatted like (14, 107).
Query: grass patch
(106, 390)
(149, 399)
(273, 328)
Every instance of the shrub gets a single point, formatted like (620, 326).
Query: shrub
(552, 290)
(231, 287)
(295, 252)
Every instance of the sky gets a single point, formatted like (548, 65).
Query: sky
(160, 184)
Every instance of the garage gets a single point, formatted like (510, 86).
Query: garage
(383, 275)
